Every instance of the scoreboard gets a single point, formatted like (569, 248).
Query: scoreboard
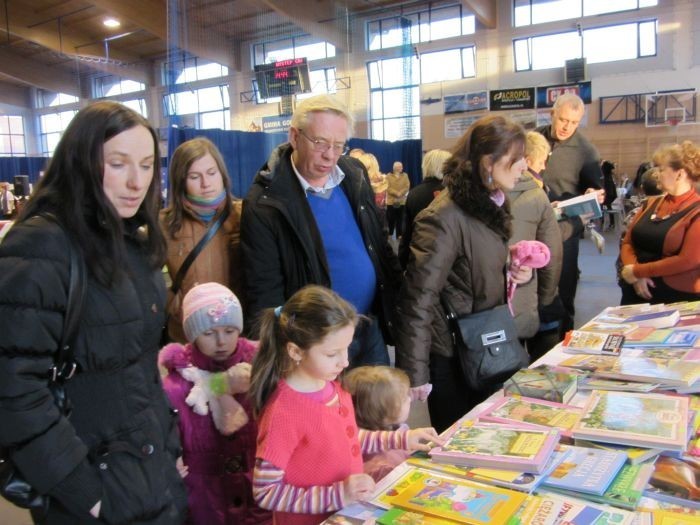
(285, 77)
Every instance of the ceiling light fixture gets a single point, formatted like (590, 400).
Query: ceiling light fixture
(111, 22)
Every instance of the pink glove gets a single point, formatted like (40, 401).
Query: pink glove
(532, 254)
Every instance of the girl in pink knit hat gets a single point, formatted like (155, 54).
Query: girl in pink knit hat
(207, 382)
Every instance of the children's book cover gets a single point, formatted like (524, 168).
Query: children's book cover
(405, 517)
(629, 418)
(638, 366)
(540, 510)
(588, 362)
(586, 470)
(509, 479)
(457, 500)
(599, 383)
(586, 342)
(576, 511)
(502, 446)
(635, 455)
(535, 412)
(608, 328)
(676, 481)
(674, 337)
(647, 504)
(666, 517)
(627, 489)
(542, 383)
(393, 483)
(355, 514)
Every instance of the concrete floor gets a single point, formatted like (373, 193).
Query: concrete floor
(597, 289)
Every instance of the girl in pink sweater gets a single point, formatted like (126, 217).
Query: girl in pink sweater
(309, 449)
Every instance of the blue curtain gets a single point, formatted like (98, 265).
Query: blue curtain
(408, 152)
(245, 152)
(11, 166)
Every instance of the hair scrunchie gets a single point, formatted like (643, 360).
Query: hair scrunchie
(278, 312)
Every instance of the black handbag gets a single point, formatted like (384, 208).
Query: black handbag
(13, 486)
(487, 346)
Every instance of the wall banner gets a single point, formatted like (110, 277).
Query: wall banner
(546, 95)
(507, 99)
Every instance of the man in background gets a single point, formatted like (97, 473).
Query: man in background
(573, 168)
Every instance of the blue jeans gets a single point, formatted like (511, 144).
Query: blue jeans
(368, 347)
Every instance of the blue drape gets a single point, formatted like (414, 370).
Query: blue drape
(245, 152)
(11, 166)
(408, 152)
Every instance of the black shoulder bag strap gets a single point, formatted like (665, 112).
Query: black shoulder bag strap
(64, 363)
(208, 235)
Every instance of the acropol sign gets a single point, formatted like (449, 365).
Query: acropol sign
(507, 99)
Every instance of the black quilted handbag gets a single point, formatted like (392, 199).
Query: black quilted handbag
(13, 486)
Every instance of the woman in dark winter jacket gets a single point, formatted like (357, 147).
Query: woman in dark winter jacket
(459, 253)
(113, 460)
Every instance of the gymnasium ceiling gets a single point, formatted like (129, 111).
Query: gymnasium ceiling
(53, 44)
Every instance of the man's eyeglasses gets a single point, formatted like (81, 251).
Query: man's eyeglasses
(322, 146)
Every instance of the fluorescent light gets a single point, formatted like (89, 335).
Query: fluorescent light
(111, 22)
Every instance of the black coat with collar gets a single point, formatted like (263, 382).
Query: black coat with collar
(282, 246)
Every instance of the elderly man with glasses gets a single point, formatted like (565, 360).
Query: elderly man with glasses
(310, 218)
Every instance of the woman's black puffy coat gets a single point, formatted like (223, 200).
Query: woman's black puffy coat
(120, 443)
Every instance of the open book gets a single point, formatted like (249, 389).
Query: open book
(585, 205)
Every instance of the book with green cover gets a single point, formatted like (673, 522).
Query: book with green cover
(531, 411)
(404, 517)
(459, 500)
(637, 419)
(635, 455)
(542, 383)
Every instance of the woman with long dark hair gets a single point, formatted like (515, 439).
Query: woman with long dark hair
(114, 458)
(459, 252)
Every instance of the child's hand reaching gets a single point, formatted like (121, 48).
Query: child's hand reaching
(423, 439)
(357, 487)
(239, 378)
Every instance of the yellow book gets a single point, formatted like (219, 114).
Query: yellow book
(666, 517)
(459, 500)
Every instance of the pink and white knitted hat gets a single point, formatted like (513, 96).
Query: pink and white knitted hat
(207, 306)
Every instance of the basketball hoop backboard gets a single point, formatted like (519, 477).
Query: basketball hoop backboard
(673, 108)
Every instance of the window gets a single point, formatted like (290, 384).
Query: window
(191, 69)
(394, 98)
(529, 12)
(602, 44)
(138, 105)
(52, 126)
(12, 136)
(210, 106)
(422, 26)
(451, 64)
(321, 80)
(111, 86)
(296, 47)
(48, 99)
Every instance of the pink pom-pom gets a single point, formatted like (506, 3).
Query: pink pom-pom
(173, 356)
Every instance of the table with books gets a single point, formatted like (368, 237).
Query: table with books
(600, 430)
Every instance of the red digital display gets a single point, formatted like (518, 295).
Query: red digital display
(284, 77)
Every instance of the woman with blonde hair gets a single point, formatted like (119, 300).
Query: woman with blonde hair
(660, 252)
(378, 181)
(201, 227)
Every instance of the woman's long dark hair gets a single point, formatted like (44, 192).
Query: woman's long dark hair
(72, 190)
(467, 181)
(180, 163)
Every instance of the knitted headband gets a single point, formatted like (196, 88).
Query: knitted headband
(207, 306)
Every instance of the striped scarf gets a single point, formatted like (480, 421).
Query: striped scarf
(205, 209)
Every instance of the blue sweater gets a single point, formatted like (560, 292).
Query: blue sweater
(352, 272)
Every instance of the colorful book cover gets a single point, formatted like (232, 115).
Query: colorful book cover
(608, 328)
(405, 517)
(689, 321)
(509, 479)
(675, 337)
(585, 342)
(535, 412)
(586, 204)
(648, 504)
(576, 511)
(586, 470)
(645, 369)
(542, 383)
(639, 334)
(619, 314)
(666, 517)
(676, 481)
(457, 500)
(508, 447)
(629, 418)
(660, 319)
(627, 489)
(540, 510)
(599, 383)
(635, 455)
(393, 483)
(588, 362)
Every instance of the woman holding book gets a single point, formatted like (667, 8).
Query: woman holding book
(660, 252)
(459, 254)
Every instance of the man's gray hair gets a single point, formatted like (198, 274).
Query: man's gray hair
(570, 100)
(320, 104)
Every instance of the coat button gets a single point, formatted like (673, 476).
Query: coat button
(103, 466)
(154, 308)
(343, 411)
(350, 431)
(147, 449)
(355, 450)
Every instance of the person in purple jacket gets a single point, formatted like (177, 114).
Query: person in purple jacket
(207, 382)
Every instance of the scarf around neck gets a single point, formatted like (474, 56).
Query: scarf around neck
(205, 209)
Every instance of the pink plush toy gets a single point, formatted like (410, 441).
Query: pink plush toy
(532, 254)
